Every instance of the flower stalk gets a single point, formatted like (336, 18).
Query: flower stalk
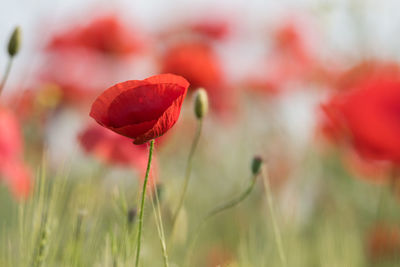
(255, 169)
(200, 110)
(141, 210)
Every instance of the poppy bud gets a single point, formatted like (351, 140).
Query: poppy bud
(131, 215)
(256, 164)
(200, 103)
(160, 191)
(14, 43)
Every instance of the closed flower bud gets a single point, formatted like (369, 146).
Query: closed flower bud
(256, 165)
(200, 103)
(14, 43)
(160, 191)
(131, 215)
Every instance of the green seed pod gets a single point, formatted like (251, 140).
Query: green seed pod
(200, 103)
(160, 190)
(256, 165)
(14, 43)
(132, 215)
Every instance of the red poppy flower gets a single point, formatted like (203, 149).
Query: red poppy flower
(212, 27)
(368, 116)
(112, 148)
(68, 70)
(106, 35)
(18, 178)
(141, 110)
(346, 79)
(291, 40)
(13, 170)
(196, 61)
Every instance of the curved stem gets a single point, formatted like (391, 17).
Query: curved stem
(277, 233)
(218, 210)
(187, 172)
(6, 74)
(142, 203)
(233, 202)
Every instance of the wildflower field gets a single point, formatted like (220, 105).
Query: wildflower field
(204, 133)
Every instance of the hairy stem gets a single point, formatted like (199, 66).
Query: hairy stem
(187, 172)
(230, 204)
(6, 74)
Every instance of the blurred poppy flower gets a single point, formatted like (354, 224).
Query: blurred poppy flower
(13, 170)
(378, 172)
(18, 177)
(67, 72)
(32, 102)
(219, 256)
(290, 40)
(291, 59)
(212, 27)
(112, 148)
(141, 109)
(196, 61)
(366, 68)
(367, 116)
(105, 34)
(199, 63)
(383, 242)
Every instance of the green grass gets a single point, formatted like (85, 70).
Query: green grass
(79, 217)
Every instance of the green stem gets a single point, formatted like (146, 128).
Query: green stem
(159, 224)
(218, 210)
(233, 202)
(142, 203)
(6, 74)
(277, 233)
(42, 242)
(187, 172)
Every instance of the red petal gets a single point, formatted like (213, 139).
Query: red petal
(134, 130)
(101, 104)
(141, 110)
(142, 104)
(164, 123)
(168, 78)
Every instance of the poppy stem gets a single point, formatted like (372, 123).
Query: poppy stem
(187, 172)
(217, 210)
(6, 74)
(277, 233)
(142, 203)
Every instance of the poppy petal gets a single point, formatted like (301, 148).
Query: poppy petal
(100, 105)
(143, 103)
(168, 78)
(164, 123)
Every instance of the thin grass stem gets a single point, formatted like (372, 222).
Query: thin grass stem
(187, 172)
(277, 233)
